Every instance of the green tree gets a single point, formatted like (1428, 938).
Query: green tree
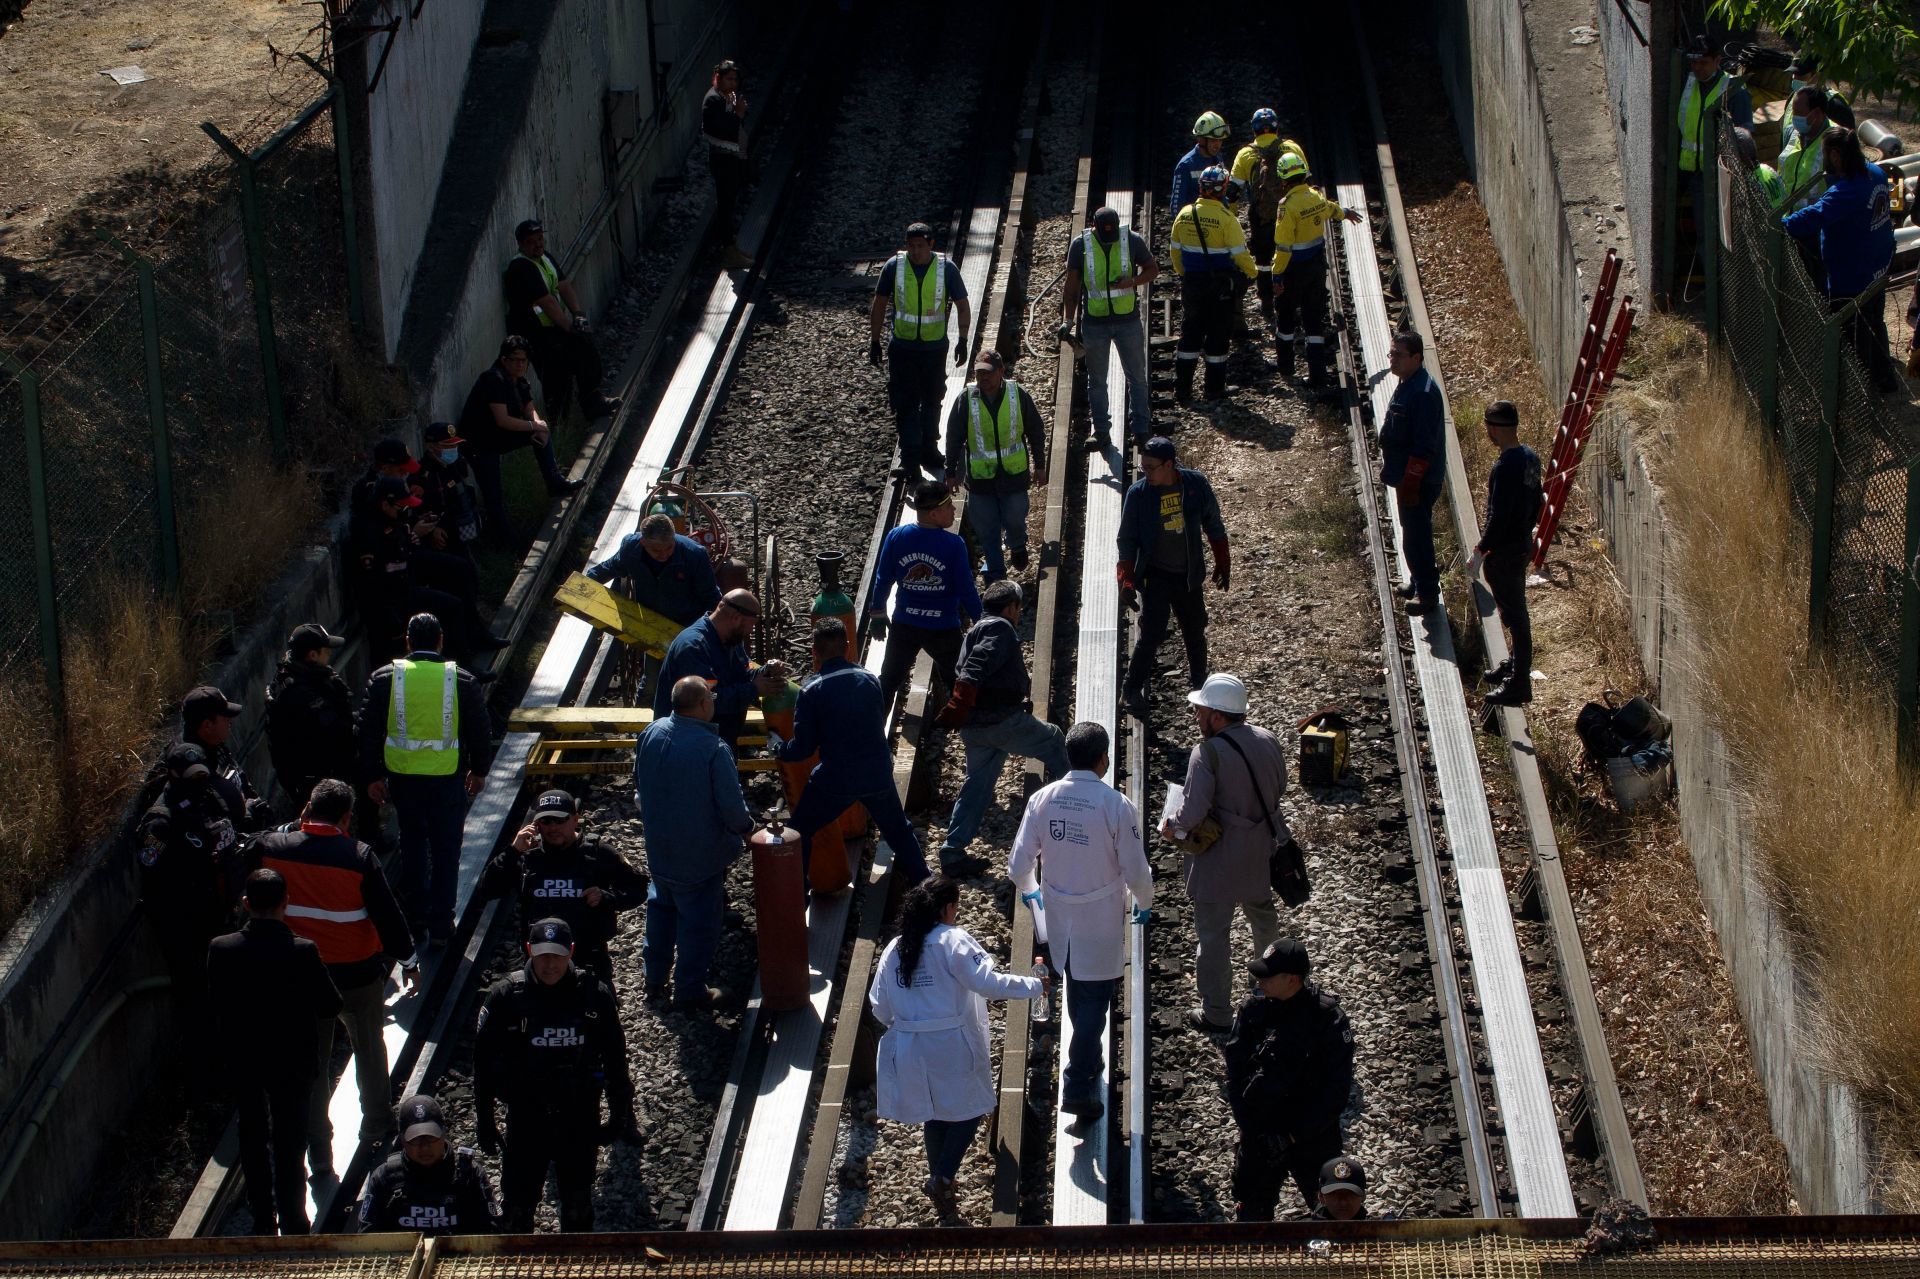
(1871, 46)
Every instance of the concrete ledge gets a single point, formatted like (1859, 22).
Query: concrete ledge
(1829, 1149)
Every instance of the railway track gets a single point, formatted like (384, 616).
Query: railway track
(773, 1156)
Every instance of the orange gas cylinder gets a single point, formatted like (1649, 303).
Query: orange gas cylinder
(827, 868)
(779, 903)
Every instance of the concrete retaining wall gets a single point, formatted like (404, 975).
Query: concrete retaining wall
(1819, 1120)
(1637, 104)
(1531, 107)
(50, 956)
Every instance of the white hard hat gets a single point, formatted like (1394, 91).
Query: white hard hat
(1223, 693)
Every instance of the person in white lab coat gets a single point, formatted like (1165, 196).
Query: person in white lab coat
(931, 993)
(1085, 838)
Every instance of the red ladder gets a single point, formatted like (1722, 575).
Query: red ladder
(1593, 375)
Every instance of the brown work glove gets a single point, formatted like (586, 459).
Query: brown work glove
(1408, 489)
(959, 707)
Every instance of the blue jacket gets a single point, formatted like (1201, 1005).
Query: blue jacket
(1855, 224)
(698, 651)
(935, 578)
(1416, 426)
(841, 715)
(1186, 177)
(682, 588)
(1140, 523)
(688, 789)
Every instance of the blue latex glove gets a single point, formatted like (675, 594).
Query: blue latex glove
(1032, 898)
(1141, 914)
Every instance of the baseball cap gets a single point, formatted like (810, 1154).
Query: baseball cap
(442, 433)
(530, 227)
(920, 229)
(929, 495)
(421, 1116)
(1343, 1172)
(1106, 220)
(1159, 447)
(185, 759)
(550, 937)
(203, 703)
(1502, 413)
(1288, 955)
(309, 636)
(392, 451)
(391, 488)
(554, 803)
(989, 359)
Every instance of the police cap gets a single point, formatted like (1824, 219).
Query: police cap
(1343, 1172)
(186, 760)
(1288, 955)
(391, 450)
(204, 703)
(550, 937)
(391, 488)
(421, 1116)
(311, 637)
(554, 805)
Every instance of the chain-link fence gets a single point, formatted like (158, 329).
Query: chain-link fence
(134, 418)
(1851, 455)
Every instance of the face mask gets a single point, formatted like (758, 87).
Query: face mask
(1800, 124)
(448, 456)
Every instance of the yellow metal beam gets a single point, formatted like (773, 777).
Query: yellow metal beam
(604, 610)
(581, 721)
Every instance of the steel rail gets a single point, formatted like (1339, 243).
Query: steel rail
(1611, 1128)
(420, 1023)
(748, 1180)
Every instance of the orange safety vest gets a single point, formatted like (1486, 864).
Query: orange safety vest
(324, 901)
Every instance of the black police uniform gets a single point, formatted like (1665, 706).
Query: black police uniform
(188, 847)
(453, 1197)
(549, 1052)
(309, 727)
(1289, 1071)
(554, 882)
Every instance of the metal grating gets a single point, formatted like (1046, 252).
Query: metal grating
(381, 1256)
(1486, 1257)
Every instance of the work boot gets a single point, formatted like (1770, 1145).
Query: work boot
(1263, 287)
(1517, 691)
(1216, 379)
(1183, 379)
(1283, 354)
(1499, 674)
(1319, 365)
(1083, 1108)
(1017, 557)
(1135, 701)
(734, 259)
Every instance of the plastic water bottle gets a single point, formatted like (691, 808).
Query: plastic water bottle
(1041, 1010)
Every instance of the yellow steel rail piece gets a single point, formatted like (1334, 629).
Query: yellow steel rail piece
(604, 610)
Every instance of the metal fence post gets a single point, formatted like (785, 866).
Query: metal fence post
(1820, 569)
(1908, 686)
(1669, 229)
(38, 508)
(349, 231)
(1708, 222)
(262, 295)
(163, 511)
(1770, 330)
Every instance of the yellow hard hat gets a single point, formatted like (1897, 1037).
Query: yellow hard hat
(1290, 166)
(1210, 125)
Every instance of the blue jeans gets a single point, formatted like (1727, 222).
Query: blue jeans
(683, 930)
(947, 1142)
(1130, 340)
(1089, 1004)
(997, 515)
(1416, 541)
(988, 746)
(432, 811)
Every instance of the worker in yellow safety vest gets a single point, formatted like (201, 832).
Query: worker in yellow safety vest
(1207, 249)
(423, 743)
(1709, 93)
(1802, 171)
(1256, 180)
(1300, 270)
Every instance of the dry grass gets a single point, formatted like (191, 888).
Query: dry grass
(125, 673)
(1837, 826)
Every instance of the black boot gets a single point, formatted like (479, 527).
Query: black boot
(1283, 355)
(1183, 379)
(1263, 287)
(1319, 365)
(1216, 379)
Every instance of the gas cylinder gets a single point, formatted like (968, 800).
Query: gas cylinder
(779, 903)
(827, 868)
(670, 506)
(834, 602)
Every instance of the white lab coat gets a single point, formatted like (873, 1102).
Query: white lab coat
(1085, 837)
(934, 1061)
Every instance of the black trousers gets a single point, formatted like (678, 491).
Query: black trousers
(565, 360)
(730, 174)
(1164, 595)
(916, 383)
(1264, 1162)
(567, 1142)
(1301, 309)
(1867, 330)
(905, 643)
(273, 1153)
(1208, 308)
(1507, 578)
